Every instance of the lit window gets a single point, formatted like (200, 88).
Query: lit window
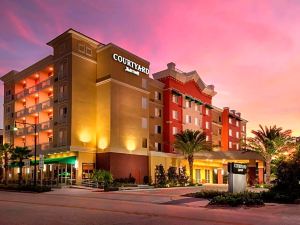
(157, 112)
(207, 125)
(175, 114)
(144, 103)
(144, 83)
(144, 123)
(230, 144)
(230, 132)
(237, 134)
(237, 123)
(175, 130)
(196, 107)
(207, 138)
(207, 111)
(157, 95)
(244, 128)
(196, 121)
(175, 98)
(188, 119)
(188, 104)
(237, 146)
(230, 120)
(157, 146)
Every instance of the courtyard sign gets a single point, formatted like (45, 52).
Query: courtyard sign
(131, 67)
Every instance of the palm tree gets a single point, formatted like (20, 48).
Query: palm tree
(20, 153)
(268, 142)
(5, 151)
(190, 142)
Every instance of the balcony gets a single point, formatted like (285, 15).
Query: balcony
(41, 147)
(35, 108)
(38, 87)
(30, 129)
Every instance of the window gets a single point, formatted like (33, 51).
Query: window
(157, 95)
(196, 121)
(7, 93)
(8, 109)
(237, 123)
(157, 146)
(81, 48)
(196, 107)
(220, 119)
(230, 144)
(207, 125)
(237, 146)
(175, 99)
(144, 83)
(89, 51)
(237, 134)
(144, 103)
(220, 131)
(230, 120)
(188, 119)
(207, 176)
(188, 104)
(157, 129)
(63, 112)
(207, 111)
(144, 143)
(244, 128)
(175, 130)
(144, 123)
(62, 91)
(62, 136)
(62, 72)
(157, 112)
(207, 138)
(230, 132)
(175, 114)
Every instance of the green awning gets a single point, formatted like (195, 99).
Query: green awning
(199, 102)
(62, 160)
(175, 92)
(208, 106)
(189, 98)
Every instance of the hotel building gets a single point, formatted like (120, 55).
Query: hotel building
(96, 107)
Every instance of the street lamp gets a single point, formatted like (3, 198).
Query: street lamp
(35, 131)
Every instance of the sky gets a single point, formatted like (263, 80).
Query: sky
(250, 50)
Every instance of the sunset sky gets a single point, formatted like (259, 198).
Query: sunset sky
(250, 50)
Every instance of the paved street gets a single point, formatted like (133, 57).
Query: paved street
(159, 206)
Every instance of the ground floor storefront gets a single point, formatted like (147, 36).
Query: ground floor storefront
(76, 167)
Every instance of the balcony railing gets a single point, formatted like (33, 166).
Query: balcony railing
(30, 129)
(38, 87)
(35, 108)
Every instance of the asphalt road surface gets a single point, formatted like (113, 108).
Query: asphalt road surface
(158, 207)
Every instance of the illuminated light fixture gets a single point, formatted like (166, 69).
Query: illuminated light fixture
(28, 170)
(76, 164)
(50, 89)
(50, 167)
(44, 169)
(24, 82)
(50, 68)
(37, 75)
(24, 100)
(130, 145)
(23, 118)
(36, 114)
(102, 143)
(50, 110)
(36, 95)
(85, 136)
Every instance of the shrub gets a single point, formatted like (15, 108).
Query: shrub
(172, 176)
(208, 194)
(160, 176)
(182, 177)
(237, 199)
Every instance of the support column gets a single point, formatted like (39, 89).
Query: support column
(220, 176)
(251, 173)
(260, 173)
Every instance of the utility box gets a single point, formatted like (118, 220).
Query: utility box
(237, 177)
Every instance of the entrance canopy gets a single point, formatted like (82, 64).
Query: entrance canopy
(229, 155)
(62, 160)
